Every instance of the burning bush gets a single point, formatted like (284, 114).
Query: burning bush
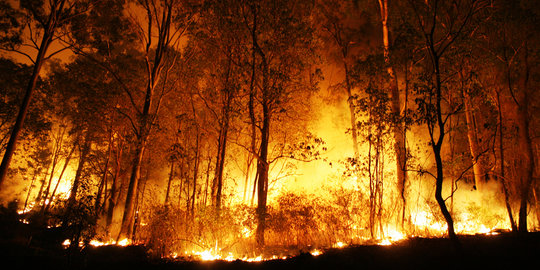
(293, 222)
(174, 232)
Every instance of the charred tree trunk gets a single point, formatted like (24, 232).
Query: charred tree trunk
(222, 147)
(262, 176)
(262, 160)
(437, 146)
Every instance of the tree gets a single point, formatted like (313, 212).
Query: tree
(440, 24)
(219, 39)
(343, 32)
(514, 52)
(398, 127)
(47, 19)
(279, 63)
(166, 17)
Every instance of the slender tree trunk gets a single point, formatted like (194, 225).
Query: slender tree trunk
(154, 68)
(398, 130)
(171, 177)
(195, 173)
(114, 194)
(221, 158)
(262, 184)
(68, 158)
(350, 102)
(504, 183)
(126, 228)
(528, 164)
(208, 167)
(437, 147)
(472, 136)
(78, 174)
(182, 179)
(36, 172)
(103, 182)
(56, 155)
(371, 190)
(249, 161)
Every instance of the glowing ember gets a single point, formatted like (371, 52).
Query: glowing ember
(385, 242)
(66, 243)
(124, 242)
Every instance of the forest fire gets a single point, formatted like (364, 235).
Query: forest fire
(269, 132)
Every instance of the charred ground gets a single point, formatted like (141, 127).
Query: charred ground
(501, 251)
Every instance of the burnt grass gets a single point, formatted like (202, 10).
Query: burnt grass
(502, 251)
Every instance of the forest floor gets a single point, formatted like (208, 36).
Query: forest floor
(502, 251)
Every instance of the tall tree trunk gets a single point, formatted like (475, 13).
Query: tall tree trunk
(221, 152)
(154, 69)
(528, 163)
(171, 177)
(36, 173)
(126, 228)
(398, 130)
(56, 156)
(207, 182)
(195, 173)
(114, 194)
(68, 158)
(262, 173)
(504, 183)
(103, 183)
(48, 33)
(474, 147)
(85, 149)
(437, 147)
(352, 113)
